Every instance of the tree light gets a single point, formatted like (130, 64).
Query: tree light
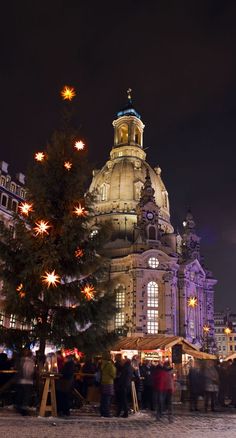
(79, 145)
(39, 156)
(51, 279)
(20, 290)
(68, 93)
(68, 165)
(41, 228)
(25, 208)
(192, 302)
(80, 211)
(88, 291)
(79, 252)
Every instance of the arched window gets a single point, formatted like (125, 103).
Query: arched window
(152, 233)
(3, 181)
(137, 135)
(152, 307)
(120, 304)
(13, 187)
(123, 134)
(14, 205)
(4, 200)
(104, 192)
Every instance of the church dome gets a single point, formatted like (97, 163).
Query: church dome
(117, 186)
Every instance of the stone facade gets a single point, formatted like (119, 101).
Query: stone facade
(161, 283)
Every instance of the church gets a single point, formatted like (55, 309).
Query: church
(161, 284)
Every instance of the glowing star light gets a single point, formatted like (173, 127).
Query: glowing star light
(79, 253)
(20, 290)
(80, 211)
(51, 279)
(192, 302)
(68, 93)
(88, 291)
(25, 208)
(79, 145)
(67, 165)
(39, 156)
(41, 228)
(206, 328)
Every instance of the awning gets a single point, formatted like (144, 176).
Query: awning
(199, 354)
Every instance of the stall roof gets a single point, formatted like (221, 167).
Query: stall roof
(152, 342)
(199, 354)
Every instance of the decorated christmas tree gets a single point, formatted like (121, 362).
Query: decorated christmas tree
(55, 280)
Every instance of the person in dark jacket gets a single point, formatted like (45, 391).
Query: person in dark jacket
(123, 388)
(64, 386)
(196, 385)
(146, 372)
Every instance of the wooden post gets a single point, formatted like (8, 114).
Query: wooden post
(49, 387)
(134, 397)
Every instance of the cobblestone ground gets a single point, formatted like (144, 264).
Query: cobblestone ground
(217, 425)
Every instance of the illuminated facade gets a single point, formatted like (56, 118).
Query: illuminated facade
(157, 273)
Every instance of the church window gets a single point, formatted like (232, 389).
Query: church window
(120, 319)
(153, 262)
(165, 200)
(152, 294)
(123, 134)
(152, 321)
(137, 136)
(22, 193)
(4, 200)
(12, 321)
(104, 192)
(152, 233)
(120, 297)
(120, 154)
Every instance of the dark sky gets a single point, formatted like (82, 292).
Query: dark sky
(179, 57)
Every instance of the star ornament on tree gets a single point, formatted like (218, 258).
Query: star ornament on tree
(39, 156)
(79, 145)
(68, 93)
(88, 291)
(79, 252)
(19, 289)
(25, 208)
(80, 211)
(51, 279)
(41, 228)
(68, 165)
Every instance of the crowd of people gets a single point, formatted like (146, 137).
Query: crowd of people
(212, 382)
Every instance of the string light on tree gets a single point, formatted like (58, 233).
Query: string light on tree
(68, 165)
(88, 291)
(39, 156)
(41, 228)
(79, 252)
(79, 145)
(80, 211)
(25, 208)
(51, 279)
(192, 302)
(68, 93)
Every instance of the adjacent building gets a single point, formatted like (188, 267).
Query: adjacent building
(225, 332)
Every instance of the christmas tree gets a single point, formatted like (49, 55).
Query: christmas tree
(55, 280)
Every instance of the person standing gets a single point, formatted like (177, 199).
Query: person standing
(211, 377)
(108, 374)
(124, 387)
(25, 382)
(64, 386)
(195, 380)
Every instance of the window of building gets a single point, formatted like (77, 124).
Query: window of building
(230, 338)
(1, 319)
(152, 294)
(4, 200)
(22, 193)
(152, 321)
(12, 321)
(152, 233)
(14, 206)
(120, 319)
(123, 134)
(224, 348)
(231, 348)
(104, 192)
(223, 338)
(120, 298)
(153, 262)
(219, 347)
(3, 181)
(137, 136)
(13, 187)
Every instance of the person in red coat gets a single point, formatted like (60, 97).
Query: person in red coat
(163, 385)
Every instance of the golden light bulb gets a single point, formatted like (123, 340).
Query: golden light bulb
(39, 156)
(79, 145)
(25, 208)
(68, 165)
(88, 291)
(68, 93)
(192, 302)
(51, 279)
(79, 252)
(80, 211)
(41, 228)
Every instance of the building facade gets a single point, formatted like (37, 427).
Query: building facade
(160, 281)
(12, 193)
(225, 332)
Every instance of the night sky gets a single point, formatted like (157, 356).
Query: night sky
(179, 57)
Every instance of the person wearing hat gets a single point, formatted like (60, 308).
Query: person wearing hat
(108, 374)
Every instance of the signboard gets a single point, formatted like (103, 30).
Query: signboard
(177, 351)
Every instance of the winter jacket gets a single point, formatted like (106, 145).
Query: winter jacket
(108, 372)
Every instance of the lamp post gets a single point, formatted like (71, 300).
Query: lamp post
(227, 331)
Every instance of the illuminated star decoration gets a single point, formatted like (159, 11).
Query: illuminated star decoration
(39, 156)
(206, 328)
(79, 145)
(51, 279)
(88, 291)
(227, 330)
(20, 290)
(25, 208)
(68, 93)
(68, 165)
(192, 301)
(41, 228)
(79, 253)
(80, 211)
